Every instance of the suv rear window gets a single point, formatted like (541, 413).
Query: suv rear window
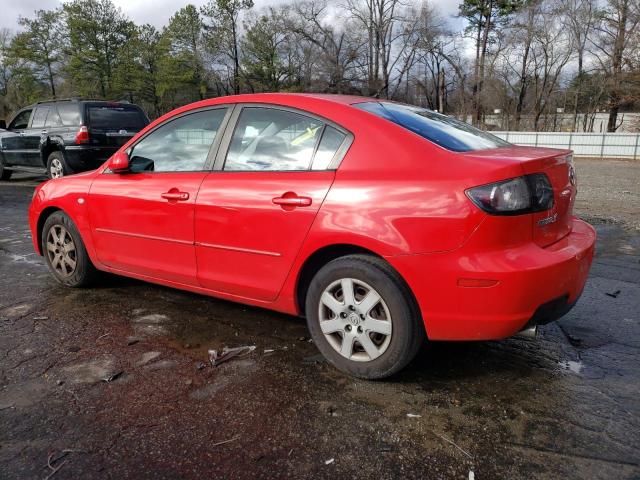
(116, 117)
(440, 129)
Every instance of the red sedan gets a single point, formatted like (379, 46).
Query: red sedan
(382, 223)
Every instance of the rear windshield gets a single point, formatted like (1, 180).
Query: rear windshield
(445, 131)
(116, 117)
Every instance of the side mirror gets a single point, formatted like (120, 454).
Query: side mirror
(119, 162)
(3, 125)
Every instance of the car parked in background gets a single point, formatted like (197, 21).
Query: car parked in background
(382, 223)
(66, 136)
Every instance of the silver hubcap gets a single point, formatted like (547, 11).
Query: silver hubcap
(355, 320)
(61, 251)
(56, 168)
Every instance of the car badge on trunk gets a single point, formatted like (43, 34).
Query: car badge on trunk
(548, 220)
(123, 132)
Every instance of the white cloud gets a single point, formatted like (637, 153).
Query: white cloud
(156, 12)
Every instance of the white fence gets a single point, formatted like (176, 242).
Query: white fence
(601, 145)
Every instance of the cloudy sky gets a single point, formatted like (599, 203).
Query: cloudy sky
(156, 12)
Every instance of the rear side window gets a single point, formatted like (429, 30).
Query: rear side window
(272, 139)
(329, 145)
(440, 129)
(53, 119)
(39, 117)
(116, 117)
(69, 114)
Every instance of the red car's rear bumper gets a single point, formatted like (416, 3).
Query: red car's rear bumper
(529, 280)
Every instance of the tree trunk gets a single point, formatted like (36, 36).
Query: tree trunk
(616, 67)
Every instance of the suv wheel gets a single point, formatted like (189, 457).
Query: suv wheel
(363, 318)
(4, 173)
(57, 166)
(65, 253)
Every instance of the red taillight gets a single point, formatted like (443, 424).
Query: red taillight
(82, 136)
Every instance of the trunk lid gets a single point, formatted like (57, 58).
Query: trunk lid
(551, 225)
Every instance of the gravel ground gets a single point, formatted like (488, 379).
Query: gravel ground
(609, 191)
(564, 406)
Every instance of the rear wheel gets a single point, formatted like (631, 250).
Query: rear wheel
(57, 166)
(4, 173)
(65, 253)
(363, 318)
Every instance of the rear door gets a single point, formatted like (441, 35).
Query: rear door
(33, 136)
(143, 222)
(254, 211)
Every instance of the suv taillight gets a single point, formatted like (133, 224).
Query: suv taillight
(527, 194)
(82, 136)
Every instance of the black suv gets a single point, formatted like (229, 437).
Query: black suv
(66, 136)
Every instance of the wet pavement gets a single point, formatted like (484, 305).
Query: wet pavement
(564, 406)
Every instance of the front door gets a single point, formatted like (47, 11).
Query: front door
(13, 142)
(253, 215)
(142, 221)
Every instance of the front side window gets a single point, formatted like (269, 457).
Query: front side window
(181, 145)
(21, 121)
(272, 139)
(440, 129)
(40, 117)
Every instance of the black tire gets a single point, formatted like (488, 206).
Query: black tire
(407, 335)
(83, 272)
(57, 166)
(4, 173)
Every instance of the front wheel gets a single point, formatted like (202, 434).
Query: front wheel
(363, 318)
(65, 253)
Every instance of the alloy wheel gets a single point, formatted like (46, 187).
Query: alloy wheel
(56, 169)
(355, 320)
(61, 250)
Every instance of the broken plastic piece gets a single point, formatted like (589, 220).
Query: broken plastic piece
(228, 353)
(113, 377)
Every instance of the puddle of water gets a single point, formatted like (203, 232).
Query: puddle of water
(572, 366)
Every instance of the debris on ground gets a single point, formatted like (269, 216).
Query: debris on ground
(113, 377)
(330, 461)
(315, 359)
(269, 350)
(216, 358)
(614, 294)
(132, 341)
(52, 459)
(454, 444)
(200, 366)
(472, 476)
(413, 415)
(226, 441)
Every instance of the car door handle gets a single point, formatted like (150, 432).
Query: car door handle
(292, 201)
(175, 196)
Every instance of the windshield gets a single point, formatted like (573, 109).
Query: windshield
(116, 117)
(444, 131)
